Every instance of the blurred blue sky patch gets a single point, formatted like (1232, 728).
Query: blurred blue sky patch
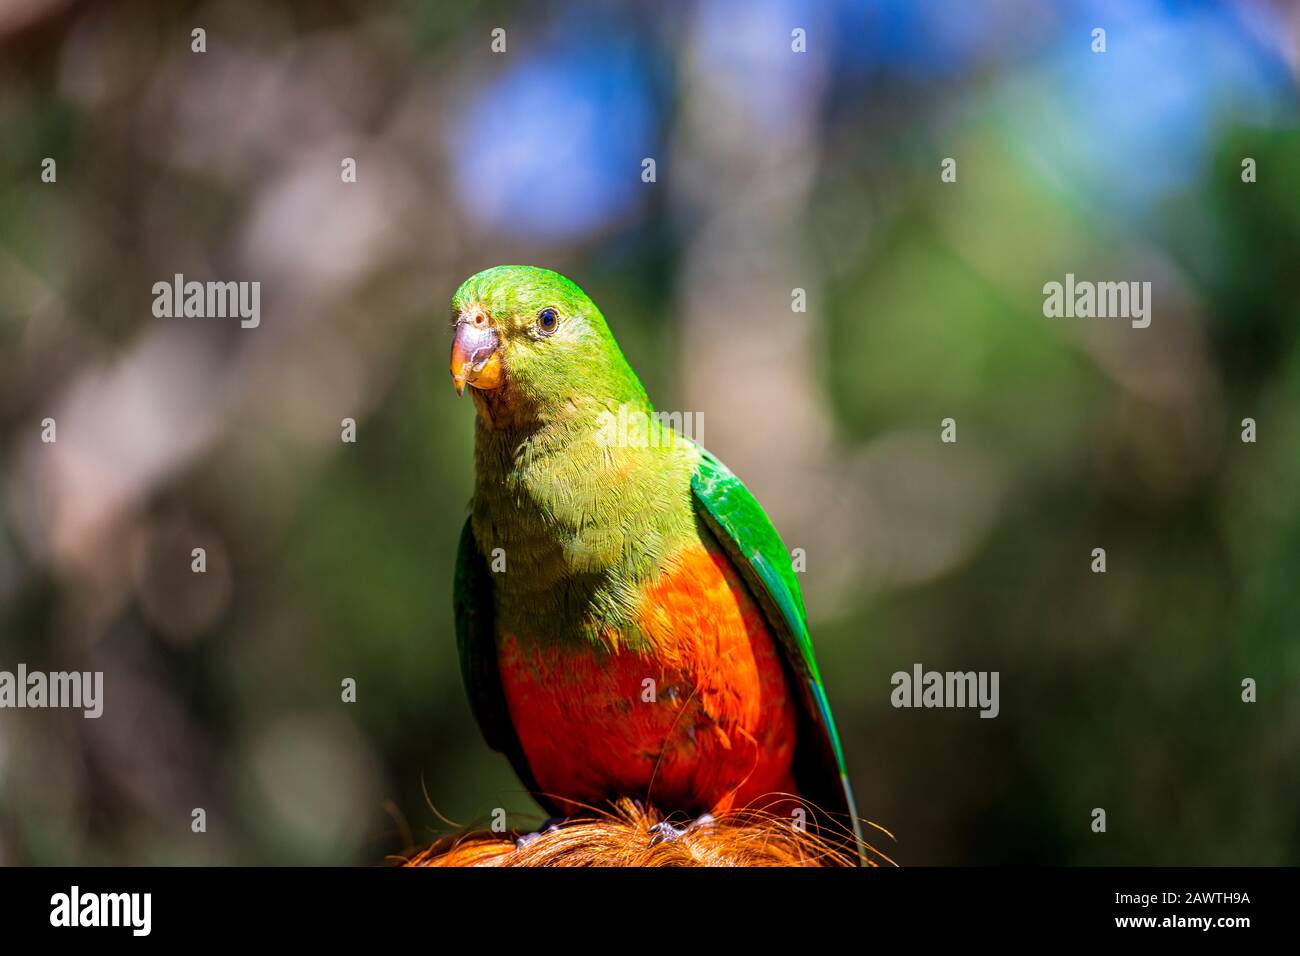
(1127, 128)
(553, 148)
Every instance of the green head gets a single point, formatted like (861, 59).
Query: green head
(531, 345)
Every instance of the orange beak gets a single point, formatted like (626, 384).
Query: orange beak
(476, 355)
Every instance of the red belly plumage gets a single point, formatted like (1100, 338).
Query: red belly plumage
(719, 731)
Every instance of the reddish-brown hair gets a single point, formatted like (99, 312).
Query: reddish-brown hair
(622, 837)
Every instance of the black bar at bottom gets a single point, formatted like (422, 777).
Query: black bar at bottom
(411, 907)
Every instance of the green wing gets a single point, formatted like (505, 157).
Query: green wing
(746, 534)
(476, 640)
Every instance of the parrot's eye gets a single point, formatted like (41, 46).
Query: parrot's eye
(547, 321)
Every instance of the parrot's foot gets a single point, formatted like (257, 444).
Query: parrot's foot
(549, 825)
(665, 832)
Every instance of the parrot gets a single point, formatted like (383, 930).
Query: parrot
(628, 620)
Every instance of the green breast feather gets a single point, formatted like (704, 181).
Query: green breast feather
(727, 509)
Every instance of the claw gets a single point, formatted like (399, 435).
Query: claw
(549, 825)
(664, 832)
